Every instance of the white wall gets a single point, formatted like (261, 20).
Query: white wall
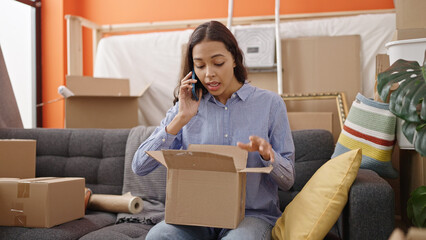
(18, 46)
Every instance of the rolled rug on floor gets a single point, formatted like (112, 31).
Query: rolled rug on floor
(125, 203)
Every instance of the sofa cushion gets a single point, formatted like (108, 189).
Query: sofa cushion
(370, 126)
(95, 154)
(120, 231)
(151, 187)
(92, 221)
(314, 211)
(313, 147)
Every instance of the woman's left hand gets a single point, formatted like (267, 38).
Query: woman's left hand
(260, 145)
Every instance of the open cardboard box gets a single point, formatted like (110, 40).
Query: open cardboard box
(206, 185)
(17, 158)
(101, 103)
(41, 202)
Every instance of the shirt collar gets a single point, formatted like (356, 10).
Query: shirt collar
(243, 93)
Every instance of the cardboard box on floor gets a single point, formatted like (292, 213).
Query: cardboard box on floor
(206, 185)
(101, 103)
(17, 158)
(41, 202)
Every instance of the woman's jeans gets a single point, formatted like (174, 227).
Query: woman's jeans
(249, 228)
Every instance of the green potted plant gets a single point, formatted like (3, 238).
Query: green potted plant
(404, 84)
(416, 207)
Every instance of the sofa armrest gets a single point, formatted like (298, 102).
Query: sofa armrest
(369, 213)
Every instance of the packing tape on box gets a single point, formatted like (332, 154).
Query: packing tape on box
(23, 190)
(20, 219)
(116, 203)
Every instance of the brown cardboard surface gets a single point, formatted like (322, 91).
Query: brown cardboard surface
(100, 103)
(203, 161)
(241, 155)
(412, 33)
(101, 112)
(410, 14)
(311, 120)
(17, 158)
(90, 86)
(204, 185)
(321, 64)
(204, 198)
(41, 202)
(264, 80)
(382, 63)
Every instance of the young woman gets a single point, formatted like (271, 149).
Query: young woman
(229, 111)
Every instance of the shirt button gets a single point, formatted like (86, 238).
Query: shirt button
(226, 108)
(282, 176)
(226, 135)
(233, 95)
(163, 139)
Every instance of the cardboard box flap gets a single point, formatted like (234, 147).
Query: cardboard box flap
(192, 160)
(157, 155)
(267, 169)
(144, 89)
(48, 180)
(239, 155)
(90, 86)
(39, 179)
(9, 179)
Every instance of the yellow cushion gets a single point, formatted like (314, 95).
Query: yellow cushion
(317, 207)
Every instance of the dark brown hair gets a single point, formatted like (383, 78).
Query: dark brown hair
(212, 31)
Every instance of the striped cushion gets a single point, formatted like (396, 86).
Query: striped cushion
(370, 126)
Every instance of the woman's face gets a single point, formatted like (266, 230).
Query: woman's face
(214, 66)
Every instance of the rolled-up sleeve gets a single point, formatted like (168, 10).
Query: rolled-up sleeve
(282, 143)
(142, 163)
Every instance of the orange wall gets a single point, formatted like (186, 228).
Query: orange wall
(129, 11)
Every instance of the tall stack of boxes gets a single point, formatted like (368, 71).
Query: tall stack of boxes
(27, 201)
(410, 25)
(410, 19)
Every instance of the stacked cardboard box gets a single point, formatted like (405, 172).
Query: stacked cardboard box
(410, 19)
(34, 202)
(17, 158)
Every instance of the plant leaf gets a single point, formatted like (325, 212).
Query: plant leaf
(394, 74)
(420, 142)
(408, 100)
(416, 207)
(419, 210)
(409, 130)
(404, 101)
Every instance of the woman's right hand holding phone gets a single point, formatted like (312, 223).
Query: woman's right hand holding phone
(188, 107)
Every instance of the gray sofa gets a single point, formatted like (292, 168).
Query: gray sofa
(98, 156)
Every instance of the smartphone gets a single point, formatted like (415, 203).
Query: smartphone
(194, 91)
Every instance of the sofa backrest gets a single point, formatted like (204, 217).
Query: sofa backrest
(98, 155)
(95, 154)
(313, 148)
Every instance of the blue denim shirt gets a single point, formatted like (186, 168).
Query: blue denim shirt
(249, 111)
